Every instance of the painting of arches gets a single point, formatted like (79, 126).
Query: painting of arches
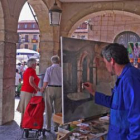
(78, 64)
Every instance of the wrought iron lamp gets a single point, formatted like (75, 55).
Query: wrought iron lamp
(55, 15)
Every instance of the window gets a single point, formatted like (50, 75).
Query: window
(84, 26)
(18, 26)
(83, 37)
(126, 37)
(34, 36)
(26, 46)
(78, 27)
(78, 36)
(33, 25)
(34, 47)
(25, 26)
(26, 38)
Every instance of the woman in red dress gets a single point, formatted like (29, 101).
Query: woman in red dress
(29, 87)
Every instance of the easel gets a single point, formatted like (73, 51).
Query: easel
(62, 136)
(58, 119)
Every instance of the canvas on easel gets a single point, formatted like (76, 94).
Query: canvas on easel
(80, 61)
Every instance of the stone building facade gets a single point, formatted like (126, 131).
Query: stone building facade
(28, 32)
(81, 32)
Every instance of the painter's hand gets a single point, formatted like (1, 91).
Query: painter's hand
(88, 86)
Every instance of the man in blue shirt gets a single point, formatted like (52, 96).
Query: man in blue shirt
(125, 99)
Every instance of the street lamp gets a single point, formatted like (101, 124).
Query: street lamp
(55, 15)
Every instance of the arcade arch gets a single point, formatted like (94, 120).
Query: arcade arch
(9, 37)
(108, 24)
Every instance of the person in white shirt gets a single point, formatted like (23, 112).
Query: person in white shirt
(37, 68)
(18, 67)
(23, 67)
(52, 91)
(17, 79)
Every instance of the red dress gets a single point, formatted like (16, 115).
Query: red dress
(26, 85)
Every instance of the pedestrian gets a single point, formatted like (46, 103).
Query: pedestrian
(37, 68)
(124, 101)
(29, 87)
(52, 95)
(17, 81)
(23, 67)
(18, 67)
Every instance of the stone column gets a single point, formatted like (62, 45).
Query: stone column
(7, 76)
(49, 46)
(46, 51)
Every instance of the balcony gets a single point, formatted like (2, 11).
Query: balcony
(34, 41)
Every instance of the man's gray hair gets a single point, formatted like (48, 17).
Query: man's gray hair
(55, 59)
(30, 62)
(116, 51)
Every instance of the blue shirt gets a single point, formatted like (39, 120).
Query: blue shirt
(124, 104)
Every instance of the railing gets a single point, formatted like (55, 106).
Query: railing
(34, 41)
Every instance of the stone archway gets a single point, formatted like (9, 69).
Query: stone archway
(8, 36)
(108, 24)
(82, 10)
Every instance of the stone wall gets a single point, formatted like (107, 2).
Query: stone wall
(106, 27)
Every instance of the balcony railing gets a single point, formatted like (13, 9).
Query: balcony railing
(34, 41)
